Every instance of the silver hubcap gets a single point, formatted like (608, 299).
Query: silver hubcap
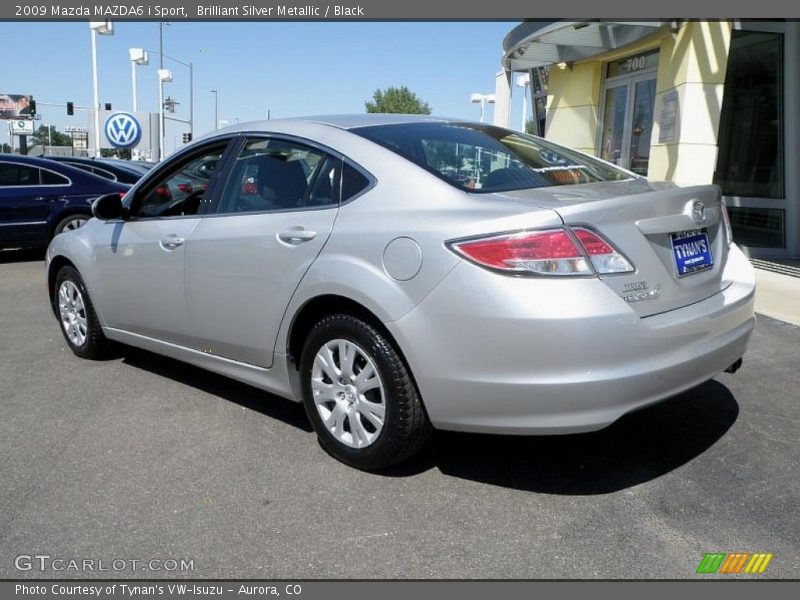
(348, 393)
(72, 312)
(74, 224)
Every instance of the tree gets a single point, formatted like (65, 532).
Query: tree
(397, 100)
(41, 137)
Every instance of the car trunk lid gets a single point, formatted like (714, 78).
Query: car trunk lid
(675, 237)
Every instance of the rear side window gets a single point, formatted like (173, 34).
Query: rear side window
(50, 178)
(353, 182)
(13, 174)
(484, 158)
(272, 174)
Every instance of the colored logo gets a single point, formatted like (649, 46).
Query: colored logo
(123, 130)
(735, 563)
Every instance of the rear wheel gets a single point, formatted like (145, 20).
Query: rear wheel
(70, 223)
(76, 315)
(360, 396)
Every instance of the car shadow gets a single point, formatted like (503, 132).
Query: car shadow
(247, 396)
(640, 447)
(19, 255)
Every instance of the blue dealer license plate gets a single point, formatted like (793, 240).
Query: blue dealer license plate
(691, 251)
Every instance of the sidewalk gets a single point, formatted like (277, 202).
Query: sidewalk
(778, 289)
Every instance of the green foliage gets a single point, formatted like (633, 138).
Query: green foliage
(397, 100)
(40, 137)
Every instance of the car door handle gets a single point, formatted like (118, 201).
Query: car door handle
(171, 241)
(296, 235)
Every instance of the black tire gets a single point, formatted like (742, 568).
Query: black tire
(94, 345)
(69, 222)
(406, 427)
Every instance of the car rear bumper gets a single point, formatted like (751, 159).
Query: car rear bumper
(499, 354)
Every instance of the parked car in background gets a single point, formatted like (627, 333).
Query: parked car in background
(40, 198)
(140, 166)
(345, 262)
(113, 171)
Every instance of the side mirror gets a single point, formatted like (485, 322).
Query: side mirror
(108, 207)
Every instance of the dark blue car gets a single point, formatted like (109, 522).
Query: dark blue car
(40, 198)
(117, 171)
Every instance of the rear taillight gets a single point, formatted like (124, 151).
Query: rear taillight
(548, 252)
(605, 258)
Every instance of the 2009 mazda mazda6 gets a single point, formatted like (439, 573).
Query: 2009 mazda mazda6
(398, 274)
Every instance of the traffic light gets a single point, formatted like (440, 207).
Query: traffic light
(32, 106)
(187, 137)
(70, 109)
(108, 105)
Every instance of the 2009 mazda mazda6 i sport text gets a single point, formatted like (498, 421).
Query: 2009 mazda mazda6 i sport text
(398, 274)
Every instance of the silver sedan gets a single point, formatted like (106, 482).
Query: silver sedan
(398, 274)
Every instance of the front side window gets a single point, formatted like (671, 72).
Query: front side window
(181, 191)
(483, 158)
(272, 174)
(13, 174)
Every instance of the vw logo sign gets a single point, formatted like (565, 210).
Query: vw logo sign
(123, 130)
(698, 213)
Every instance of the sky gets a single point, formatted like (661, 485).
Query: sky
(288, 69)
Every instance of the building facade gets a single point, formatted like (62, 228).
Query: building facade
(693, 102)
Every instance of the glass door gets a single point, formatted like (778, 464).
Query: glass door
(644, 96)
(616, 107)
(627, 108)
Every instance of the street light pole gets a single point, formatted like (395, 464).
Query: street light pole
(98, 28)
(138, 56)
(216, 108)
(482, 99)
(164, 76)
(191, 99)
(133, 85)
(96, 95)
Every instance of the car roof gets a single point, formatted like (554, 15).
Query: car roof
(373, 119)
(339, 121)
(75, 174)
(28, 160)
(96, 162)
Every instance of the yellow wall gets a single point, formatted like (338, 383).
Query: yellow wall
(572, 105)
(692, 61)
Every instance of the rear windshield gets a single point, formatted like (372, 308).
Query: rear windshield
(484, 158)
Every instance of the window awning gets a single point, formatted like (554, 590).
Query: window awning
(538, 43)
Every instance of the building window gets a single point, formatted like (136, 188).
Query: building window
(750, 148)
(758, 227)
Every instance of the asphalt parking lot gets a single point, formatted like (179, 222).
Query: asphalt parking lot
(142, 457)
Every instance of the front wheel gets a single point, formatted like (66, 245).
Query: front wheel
(360, 396)
(79, 324)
